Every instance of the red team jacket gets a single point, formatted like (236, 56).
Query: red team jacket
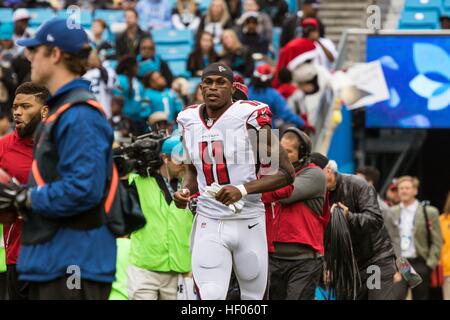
(294, 223)
(16, 156)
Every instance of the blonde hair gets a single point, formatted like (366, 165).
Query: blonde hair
(415, 182)
(225, 13)
(232, 34)
(192, 6)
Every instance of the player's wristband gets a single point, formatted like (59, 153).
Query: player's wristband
(242, 190)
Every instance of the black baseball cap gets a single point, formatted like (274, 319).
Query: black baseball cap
(218, 69)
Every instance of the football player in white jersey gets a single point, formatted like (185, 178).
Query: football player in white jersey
(229, 231)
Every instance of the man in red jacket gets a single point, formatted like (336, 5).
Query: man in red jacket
(16, 155)
(296, 225)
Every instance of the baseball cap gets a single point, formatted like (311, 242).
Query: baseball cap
(60, 33)
(173, 147)
(218, 69)
(310, 22)
(157, 117)
(21, 14)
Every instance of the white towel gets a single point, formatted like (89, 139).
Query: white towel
(212, 190)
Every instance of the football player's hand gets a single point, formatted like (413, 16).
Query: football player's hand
(181, 198)
(228, 195)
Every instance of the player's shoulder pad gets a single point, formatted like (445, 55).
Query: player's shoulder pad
(188, 113)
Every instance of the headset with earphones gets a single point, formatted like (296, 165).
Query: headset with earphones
(304, 150)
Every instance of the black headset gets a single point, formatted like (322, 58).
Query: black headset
(304, 150)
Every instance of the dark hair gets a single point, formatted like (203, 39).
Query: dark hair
(285, 76)
(34, 89)
(145, 38)
(125, 65)
(197, 54)
(447, 204)
(258, 84)
(147, 78)
(371, 174)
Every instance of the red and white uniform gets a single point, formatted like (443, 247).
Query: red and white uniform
(221, 239)
(223, 153)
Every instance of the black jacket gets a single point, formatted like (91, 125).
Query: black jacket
(125, 46)
(370, 238)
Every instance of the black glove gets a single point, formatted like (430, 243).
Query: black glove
(14, 197)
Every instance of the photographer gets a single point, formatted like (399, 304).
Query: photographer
(160, 251)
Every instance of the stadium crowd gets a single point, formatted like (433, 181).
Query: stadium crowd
(142, 93)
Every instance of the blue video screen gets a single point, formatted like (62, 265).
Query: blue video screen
(417, 72)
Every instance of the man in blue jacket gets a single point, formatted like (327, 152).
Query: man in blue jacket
(68, 252)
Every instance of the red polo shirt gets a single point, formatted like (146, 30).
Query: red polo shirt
(16, 155)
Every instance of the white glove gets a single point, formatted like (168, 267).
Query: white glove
(212, 190)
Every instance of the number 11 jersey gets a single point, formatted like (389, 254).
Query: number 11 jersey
(223, 153)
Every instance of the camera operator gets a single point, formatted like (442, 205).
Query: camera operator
(160, 251)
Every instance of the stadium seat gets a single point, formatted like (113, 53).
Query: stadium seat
(292, 4)
(446, 5)
(86, 17)
(423, 5)
(203, 5)
(419, 20)
(110, 16)
(39, 16)
(6, 15)
(174, 52)
(178, 68)
(172, 36)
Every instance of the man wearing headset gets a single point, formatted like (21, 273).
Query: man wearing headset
(296, 225)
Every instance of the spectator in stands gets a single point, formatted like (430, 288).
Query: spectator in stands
(248, 34)
(235, 54)
(326, 49)
(149, 61)
(21, 18)
(196, 97)
(185, 15)
(445, 20)
(203, 54)
(21, 67)
(100, 38)
(160, 98)
(103, 81)
(292, 25)
(264, 22)
(129, 92)
(128, 4)
(216, 20)
(127, 43)
(276, 9)
(154, 14)
(181, 87)
(235, 9)
(122, 125)
(8, 49)
(5, 124)
(7, 89)
(418, 231)
(286, 88)
(260, 89)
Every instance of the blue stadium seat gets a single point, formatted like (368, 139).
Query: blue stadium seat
(203, 5)
(276, 34)
(193, 83)
(423, 5)
(292, 4)
(39, 16)
(174, 52)
(110, 16)
(85, 17)
(173, 36)
(419, 20)
(446, 5)
(218, 48)
(6, 15)
(178, 68)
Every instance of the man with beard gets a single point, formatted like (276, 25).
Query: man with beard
(16, 155)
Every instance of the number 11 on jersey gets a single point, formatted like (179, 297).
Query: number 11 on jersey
(220, 162)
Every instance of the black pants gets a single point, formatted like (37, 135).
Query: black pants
(3, 286)
(17, 290)
(422, 291)
(294, 279)
(373, 288)
(58, 290)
